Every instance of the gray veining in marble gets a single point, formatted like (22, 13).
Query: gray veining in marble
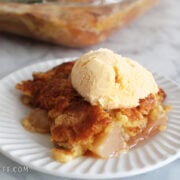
(153, 40)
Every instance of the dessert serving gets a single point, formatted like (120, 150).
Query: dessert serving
(101, 104)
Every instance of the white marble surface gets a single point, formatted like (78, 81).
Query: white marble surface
(153, 40)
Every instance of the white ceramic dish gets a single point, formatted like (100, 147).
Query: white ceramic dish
(34, 150)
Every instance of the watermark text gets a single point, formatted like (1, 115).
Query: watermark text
(14, 169)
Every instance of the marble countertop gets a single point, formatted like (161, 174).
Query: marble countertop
(153, 40)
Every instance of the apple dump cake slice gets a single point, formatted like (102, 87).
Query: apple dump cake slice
(77, 126)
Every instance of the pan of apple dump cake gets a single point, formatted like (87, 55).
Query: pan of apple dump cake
(75, 23)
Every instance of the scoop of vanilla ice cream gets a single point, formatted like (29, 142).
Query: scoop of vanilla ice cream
(110, 80)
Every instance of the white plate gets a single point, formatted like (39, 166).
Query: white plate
(34, 150)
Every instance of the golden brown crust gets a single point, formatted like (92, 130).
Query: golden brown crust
(49, 90)
(73, 120)
(79, 124)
